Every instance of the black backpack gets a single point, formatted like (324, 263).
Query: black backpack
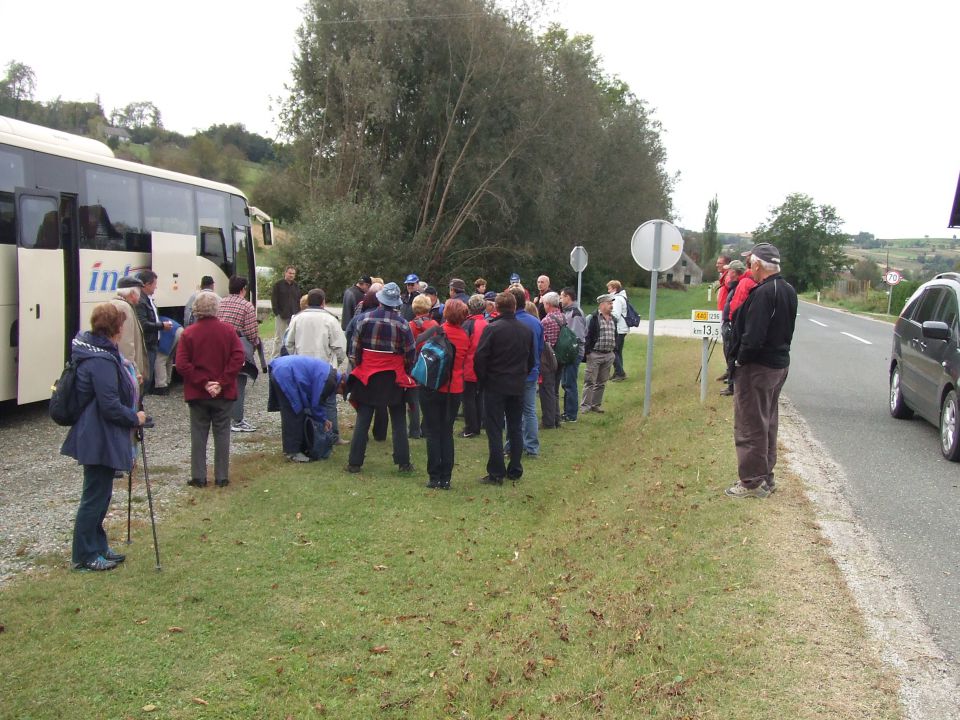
(66, 405)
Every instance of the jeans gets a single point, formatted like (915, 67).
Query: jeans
(236, 412)
(595, 378)
(214, 412)
(330, 408)
(439, 413)
(531, 433)
(361, 431)
(498, 407)
(571, 394)
(89, 537)
(472, 408)
(618, 356)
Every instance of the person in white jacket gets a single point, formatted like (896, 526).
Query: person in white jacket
(615, 288)
(316, 332)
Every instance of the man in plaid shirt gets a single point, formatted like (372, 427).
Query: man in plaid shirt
(237, 311)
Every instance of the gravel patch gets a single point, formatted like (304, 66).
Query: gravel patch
(40, 488)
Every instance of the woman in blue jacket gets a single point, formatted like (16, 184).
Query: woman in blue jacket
(100, 440)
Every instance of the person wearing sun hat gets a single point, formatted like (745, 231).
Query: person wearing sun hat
(762, 333)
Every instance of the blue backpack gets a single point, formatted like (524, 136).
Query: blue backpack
(631, 316)
(435, 360)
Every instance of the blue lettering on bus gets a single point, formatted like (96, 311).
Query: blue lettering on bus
(102, 280)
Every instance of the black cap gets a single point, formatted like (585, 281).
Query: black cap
(365, 279)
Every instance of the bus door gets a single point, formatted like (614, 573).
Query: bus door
(42, 294)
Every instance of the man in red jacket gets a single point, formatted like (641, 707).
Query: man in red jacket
(209, 357)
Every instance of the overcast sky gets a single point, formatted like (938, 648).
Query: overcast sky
(851, 102)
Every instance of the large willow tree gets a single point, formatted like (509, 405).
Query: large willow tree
(469, 143)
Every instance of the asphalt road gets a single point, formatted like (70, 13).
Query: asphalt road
(900, 486)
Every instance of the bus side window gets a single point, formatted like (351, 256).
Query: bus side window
(213, 247)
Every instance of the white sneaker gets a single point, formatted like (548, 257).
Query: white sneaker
(299, 458)
(244, 426)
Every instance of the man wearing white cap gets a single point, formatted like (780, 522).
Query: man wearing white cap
(762, 334)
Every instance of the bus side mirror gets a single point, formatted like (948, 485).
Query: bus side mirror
(268, 233)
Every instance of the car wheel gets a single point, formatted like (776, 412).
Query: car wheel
(898, 408)
(950, 426)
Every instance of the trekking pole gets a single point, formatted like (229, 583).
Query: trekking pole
(129, 501)
(713, 344)
(146, 481)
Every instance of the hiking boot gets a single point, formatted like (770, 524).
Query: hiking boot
(724, 377)
(98, 564)
(770, 485)
(406, 468)
(353, 468)
(114, 557)
(727, 391)
(491, 480)
(740, 491)
(298, 458)
(597, 409)
(618, 378)
(468, 434)
(222, 483)
(197, 483)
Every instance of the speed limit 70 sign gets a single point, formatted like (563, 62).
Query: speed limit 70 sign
(892, 277)
(706, 323)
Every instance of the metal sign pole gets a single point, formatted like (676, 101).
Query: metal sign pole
(704, 361)
(580, 288)
(654, 279)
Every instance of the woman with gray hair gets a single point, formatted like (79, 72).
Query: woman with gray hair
(209, 357)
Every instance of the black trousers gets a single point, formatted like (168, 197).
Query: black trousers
(439, 413)
(472, 408)
(361, 431)
(496, 408)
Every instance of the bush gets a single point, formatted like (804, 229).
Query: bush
(339, 241)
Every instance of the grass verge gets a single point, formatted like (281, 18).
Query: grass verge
(614, 580)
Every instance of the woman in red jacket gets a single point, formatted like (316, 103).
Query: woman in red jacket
(420, 306)
(440, 406)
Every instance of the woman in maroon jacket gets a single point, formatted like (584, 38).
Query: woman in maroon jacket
(209, 358)
(440, 406)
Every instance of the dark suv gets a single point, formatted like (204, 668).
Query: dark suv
(925, 361)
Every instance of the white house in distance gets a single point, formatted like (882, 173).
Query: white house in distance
(686, 271)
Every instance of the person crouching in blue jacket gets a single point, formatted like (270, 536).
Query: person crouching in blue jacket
(101, 439)
(299, 388)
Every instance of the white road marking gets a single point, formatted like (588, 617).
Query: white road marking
(817, 322)
(859, 339)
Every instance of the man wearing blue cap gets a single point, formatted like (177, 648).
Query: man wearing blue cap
(413, 289)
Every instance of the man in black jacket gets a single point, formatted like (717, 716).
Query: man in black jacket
(504, 358)
(351, 298)
(285, 303)
(763, 331)
(150, 321)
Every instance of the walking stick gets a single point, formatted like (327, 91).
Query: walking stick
(146, 481)
(713, 344)
(129, 501)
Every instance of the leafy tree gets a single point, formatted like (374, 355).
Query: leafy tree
(137, 115)
(868, 270)
(500, 150)
(809, 239)
(17, 87)
(711, 242)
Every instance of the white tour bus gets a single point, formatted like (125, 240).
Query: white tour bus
(74, 219)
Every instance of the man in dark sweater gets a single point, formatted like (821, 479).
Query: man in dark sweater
(502, 361)
(763, 331)
(285, 302)
(150, 321)
(351, 298)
